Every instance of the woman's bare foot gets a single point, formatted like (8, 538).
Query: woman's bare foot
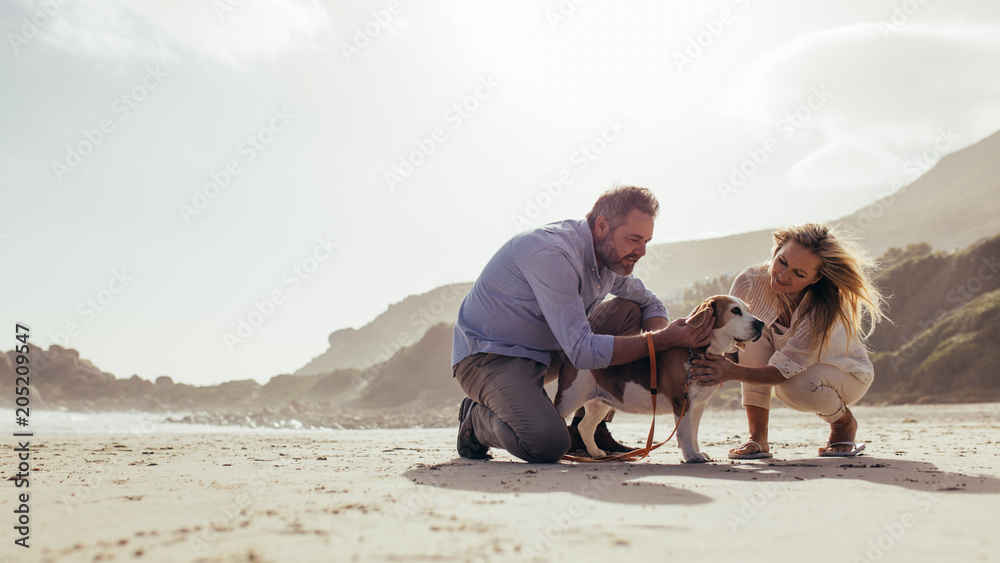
(842, 430)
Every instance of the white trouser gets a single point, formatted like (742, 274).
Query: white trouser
(820, 388)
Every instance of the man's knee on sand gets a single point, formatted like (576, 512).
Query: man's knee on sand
(545, 446)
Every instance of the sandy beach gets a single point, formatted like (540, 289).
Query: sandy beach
(927, 489)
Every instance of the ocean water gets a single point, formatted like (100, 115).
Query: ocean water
(135, 422)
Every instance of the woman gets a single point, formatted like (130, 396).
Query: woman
(812, 296)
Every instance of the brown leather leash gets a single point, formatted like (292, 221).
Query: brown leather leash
(639, 453)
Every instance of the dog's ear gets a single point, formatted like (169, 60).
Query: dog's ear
(702, 313)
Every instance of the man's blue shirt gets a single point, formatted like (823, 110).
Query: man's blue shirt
(534, 296)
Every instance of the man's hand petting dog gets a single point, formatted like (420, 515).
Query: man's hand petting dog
(713, 370)
(679, 334)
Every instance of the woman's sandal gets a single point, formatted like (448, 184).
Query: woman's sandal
(759, 454)
(855, 450)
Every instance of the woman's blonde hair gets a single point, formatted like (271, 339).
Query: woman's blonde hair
(844, 292)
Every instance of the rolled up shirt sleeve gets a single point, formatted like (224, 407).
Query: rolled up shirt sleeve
(555, 282)
(841, 351)
(796, 355)
(632, 288)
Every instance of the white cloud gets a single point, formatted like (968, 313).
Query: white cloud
(891, 95)
(915, 68)
(846, 163)
(116, 31)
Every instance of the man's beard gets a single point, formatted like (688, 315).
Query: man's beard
(605, 251)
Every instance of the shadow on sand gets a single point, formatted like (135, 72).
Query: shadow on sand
(624, 483)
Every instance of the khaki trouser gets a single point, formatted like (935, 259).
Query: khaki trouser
(513, 411)
(821, 388)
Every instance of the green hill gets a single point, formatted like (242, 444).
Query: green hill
(943, 345)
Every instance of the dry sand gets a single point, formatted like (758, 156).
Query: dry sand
(925, 490)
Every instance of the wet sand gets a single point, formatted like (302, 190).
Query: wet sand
(926, 489)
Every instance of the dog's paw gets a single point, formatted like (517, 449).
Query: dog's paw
(697, 457)
(596, 453)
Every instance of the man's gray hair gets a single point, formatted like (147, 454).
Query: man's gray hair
(615, 204)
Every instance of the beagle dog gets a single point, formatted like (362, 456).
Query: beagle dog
(625, 387)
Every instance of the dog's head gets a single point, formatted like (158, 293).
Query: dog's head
(734, 324)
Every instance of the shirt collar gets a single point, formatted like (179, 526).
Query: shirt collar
(589, 255)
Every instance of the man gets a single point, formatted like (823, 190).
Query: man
(538, 308)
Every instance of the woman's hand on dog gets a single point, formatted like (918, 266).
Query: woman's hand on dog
(713, 370)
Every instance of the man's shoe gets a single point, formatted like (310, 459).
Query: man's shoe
(604, 440)
(602, 437)
(468, 446)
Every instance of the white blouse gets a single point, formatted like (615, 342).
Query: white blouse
(793, 353)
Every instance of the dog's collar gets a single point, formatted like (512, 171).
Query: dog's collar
(697, 353)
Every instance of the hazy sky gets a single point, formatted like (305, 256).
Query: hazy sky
(172, 168)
